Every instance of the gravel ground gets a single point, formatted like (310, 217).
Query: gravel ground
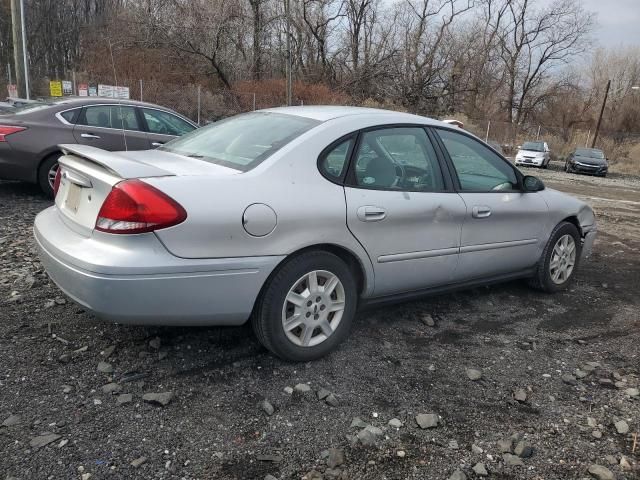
(556, 394)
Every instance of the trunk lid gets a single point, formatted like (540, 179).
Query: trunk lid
(88, 174)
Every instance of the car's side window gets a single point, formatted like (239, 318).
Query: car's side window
(71, 115)
(110, 116)
(333, 162)
(165, 123)
(478, 168)
(397, 158)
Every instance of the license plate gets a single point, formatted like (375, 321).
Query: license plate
(72, 201)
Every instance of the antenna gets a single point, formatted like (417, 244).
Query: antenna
(115, 77)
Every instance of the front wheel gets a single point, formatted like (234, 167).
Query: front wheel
(307, 307)
(557, 266)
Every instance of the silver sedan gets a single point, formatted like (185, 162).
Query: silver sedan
(294, 217)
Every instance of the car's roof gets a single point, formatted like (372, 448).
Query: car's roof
(71, 101)
(323, 113)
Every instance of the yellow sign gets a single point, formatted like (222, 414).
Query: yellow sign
(55, 88)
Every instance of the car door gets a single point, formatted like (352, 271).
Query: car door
(110, 127)
(401, 208)
(163, 126)
(503, 226)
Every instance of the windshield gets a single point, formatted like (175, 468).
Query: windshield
(587, 152)
(243, 141)
(533, 146)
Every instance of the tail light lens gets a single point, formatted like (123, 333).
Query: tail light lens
(56, 182)
(8, 130)
(133, 206)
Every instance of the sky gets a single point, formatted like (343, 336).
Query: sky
(618, 21)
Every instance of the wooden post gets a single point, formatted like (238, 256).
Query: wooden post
(604, 104)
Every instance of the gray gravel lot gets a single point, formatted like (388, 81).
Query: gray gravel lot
(531, 386)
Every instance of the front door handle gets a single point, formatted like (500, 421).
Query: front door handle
(157, 144)
(481, 211)
(370, 213)
(89, 135)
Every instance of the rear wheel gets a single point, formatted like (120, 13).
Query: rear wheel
(307, 307)
(47, 174)
(557, 266)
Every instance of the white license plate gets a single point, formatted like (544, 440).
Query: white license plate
(72, 200)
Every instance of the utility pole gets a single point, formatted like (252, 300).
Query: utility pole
(287, 14)
(16, 24)
(604, 104)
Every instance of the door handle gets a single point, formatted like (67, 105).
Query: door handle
(369, 213)
(481, 211)
(157, 144)
(89, 135)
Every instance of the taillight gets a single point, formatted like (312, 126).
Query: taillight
(133, 206)
(56, 182)
(8, 130)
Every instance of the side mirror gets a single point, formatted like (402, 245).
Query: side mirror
(532, 184)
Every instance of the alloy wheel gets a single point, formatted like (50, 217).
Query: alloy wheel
(313, 308)
(563, 259)
(51, 174)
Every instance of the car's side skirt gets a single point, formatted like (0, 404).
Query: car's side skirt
(406, 296)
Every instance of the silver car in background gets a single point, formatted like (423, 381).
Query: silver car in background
(292, 217)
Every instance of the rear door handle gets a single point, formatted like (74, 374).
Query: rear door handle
(89, 135)
(370, 213)
(481, 211)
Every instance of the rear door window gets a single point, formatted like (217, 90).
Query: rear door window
(110, 116)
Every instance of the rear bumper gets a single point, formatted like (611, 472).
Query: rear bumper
(135, 280)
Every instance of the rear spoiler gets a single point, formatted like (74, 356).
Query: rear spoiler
(116, 162)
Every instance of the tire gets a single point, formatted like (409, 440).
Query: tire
(544, 278)
(50, 163)
(273, 307)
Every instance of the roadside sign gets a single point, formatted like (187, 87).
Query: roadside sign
(83, 90)
(55, 88)
(112, 91)
(13, 90)
(93, 91)
(67, 87)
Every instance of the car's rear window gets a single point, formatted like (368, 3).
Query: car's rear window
(241, 142)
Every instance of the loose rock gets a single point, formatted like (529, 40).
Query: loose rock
(124, 398)
(395, 423)
(427, 420)
(104, 367)
(138, 462)
(267, 407)
(155, 343)
(428, 320)
(520, 395)
(474, 374)
(335, 458)
(569, 379)
(323, 393)
(596, 434)
(632, 392)
(332, 400)
(458, 475)
(11, 421)
(523, 450)
(480, 470)
(512, 460)
(505, 445)
(163, 398)
(622, 427)
(302, 388)
(601, 473)
(111, 388)
(476, 449)
(42, 440)
(369, 435)
(358, 423)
